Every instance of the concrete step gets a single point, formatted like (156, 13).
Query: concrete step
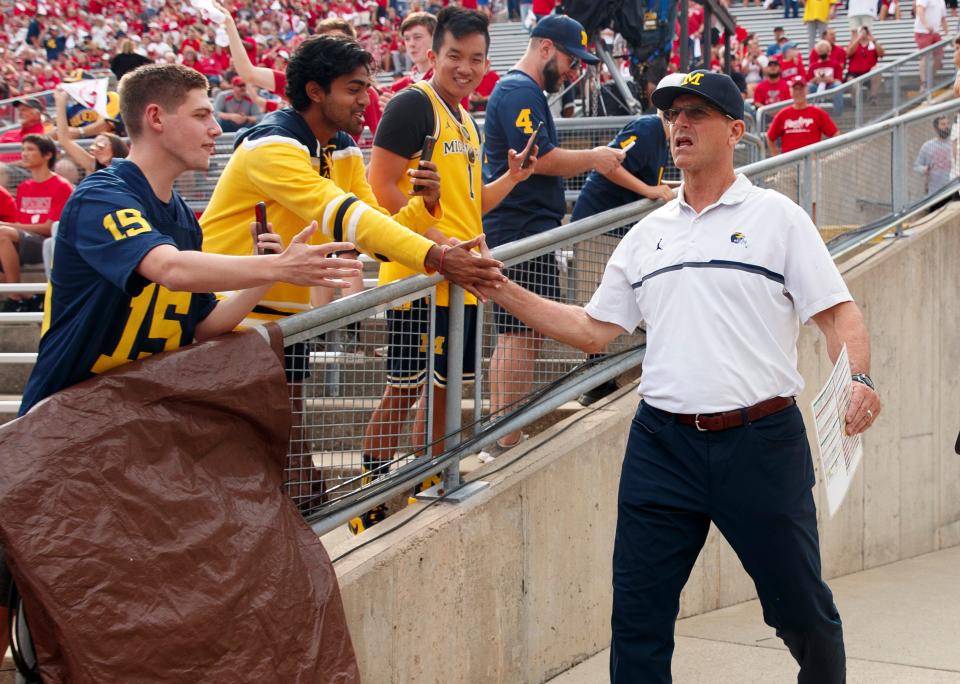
(20, 337)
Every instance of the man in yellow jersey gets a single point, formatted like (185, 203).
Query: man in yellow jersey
(301, 163)
(433, 107)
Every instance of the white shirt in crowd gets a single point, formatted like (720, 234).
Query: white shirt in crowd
(935, 11)
(861, 8)
(723, 293)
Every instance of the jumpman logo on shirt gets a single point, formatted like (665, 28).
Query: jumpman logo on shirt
(659, 248)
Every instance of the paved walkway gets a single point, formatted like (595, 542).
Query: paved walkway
(901, 625)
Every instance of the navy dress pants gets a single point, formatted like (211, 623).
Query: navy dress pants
(754, 483)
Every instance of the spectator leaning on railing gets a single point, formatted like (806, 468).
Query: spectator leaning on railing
(517, 107)
(433, 107)
(128, 243)
(300, 163)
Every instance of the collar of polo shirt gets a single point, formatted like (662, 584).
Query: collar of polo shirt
(735, 194)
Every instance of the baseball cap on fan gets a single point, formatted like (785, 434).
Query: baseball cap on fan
(567, 34)
(31, 102)
(717, 89)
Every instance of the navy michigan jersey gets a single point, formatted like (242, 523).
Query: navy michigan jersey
(644, 160)
(516, 105)
(99, 312)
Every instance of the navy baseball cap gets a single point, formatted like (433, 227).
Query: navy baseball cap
(567, 34)
(717, 89)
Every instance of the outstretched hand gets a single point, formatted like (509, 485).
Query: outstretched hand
(473, 272)
(313, 265)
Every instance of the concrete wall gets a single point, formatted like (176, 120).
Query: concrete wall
(514, 585)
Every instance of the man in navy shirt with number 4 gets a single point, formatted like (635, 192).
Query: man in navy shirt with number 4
(517, 107)
(129, 279)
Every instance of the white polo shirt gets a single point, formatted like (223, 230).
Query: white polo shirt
(722, 293)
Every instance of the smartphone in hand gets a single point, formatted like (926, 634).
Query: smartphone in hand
(529, 148)
(260, 216)
(426, 154)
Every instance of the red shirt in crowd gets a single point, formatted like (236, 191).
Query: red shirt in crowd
(8, 206)
(792, 68)
(208, 66)
(17, 135)
(863, 59)
(484, 88)
(837, 53)
(768, 92)
(828, 66)
(543, 7)
(798, 128)
(42, 202)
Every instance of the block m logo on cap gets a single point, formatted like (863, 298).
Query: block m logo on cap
(583, 38)
(691, 79)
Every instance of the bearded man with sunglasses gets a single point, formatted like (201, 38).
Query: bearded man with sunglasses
(515, 112)
(723, 275)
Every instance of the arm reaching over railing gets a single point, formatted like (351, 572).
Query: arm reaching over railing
(563, 322)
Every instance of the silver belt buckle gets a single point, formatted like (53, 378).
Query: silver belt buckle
(696, 424)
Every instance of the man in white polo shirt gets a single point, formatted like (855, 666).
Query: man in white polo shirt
(723, 275)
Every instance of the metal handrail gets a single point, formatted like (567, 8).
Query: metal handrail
(765, 113)
(361, 306)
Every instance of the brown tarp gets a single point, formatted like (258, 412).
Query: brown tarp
(145, 524)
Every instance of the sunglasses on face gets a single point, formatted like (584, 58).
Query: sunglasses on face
(574, 61)
(695, 113)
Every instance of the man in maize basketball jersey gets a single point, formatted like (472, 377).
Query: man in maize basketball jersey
(432, 107)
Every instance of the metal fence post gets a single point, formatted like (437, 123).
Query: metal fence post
(899, 171)
(805, 191)
(858, 105)
(896, 90)
(455, 344)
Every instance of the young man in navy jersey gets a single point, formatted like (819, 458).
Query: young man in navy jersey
(515, 109)
(129, 278)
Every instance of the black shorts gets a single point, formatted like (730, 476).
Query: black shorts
(296, 362)
(30, 247)
(541, 276)
(409, 331)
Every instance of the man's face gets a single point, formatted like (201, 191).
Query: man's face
(344, 105)
(31, 157)
(773, 71)
(417, 40)
(190, 131)
(559, 67)
(799, 93)
(240, 91)
(943, 128)
(28, 115)
(461, 63)
(830, 36)
(700, 135)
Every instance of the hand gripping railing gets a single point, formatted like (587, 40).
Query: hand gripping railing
(858, 186)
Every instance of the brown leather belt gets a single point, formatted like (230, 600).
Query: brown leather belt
(711, 422)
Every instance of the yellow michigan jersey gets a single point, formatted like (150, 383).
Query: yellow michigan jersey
(281, 163)
(457, 156)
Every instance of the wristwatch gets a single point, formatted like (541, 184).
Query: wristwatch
(864, 378)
